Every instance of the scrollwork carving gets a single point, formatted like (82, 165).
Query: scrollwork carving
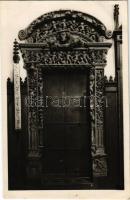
(22, 34)
(64, 20)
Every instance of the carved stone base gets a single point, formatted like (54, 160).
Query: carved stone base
(99, 165)
(34, 170)
(34, 166)
(33, 154)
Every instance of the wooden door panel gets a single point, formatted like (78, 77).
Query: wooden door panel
(53, 87)
(66, 132)
(75, 137)
(75, 115)
(53, 81)
(54, 136)
(53, 115)
(75, 83)
(53, 162)
(76, 163)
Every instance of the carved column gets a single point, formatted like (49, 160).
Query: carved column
(97, 102)
(32, 112)
(117, 36)
(40, 107)
(100, 162)
(34, 166)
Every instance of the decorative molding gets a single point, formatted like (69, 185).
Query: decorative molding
(90, 45)
(110, 79)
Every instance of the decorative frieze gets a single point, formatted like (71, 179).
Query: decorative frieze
(74, 57)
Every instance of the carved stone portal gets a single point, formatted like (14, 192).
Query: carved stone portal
(67, 39)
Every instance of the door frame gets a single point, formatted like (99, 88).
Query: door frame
(67, 47)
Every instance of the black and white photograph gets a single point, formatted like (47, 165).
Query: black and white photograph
(65, 101)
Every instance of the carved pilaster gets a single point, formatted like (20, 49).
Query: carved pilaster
(99, 156)
(92, 104)
(40, 107)
(32, 113)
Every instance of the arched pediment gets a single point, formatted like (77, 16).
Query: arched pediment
(64, 28)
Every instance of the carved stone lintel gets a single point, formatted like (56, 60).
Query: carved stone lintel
(34, 168)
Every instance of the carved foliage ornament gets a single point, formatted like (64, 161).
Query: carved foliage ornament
(59, 22)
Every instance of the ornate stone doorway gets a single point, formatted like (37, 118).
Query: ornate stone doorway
(72, 42)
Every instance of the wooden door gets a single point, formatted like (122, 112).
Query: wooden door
(66, 124)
